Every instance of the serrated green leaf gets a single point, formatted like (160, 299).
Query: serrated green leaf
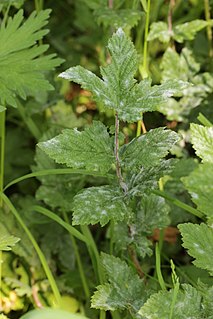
(159, 30)
(188, 30)
(122, 18)
(187, 305)
(125, 237)
(148, 149)
(202, 140)
(183, 65)
(22, 65)
(147, 179)
(125, 289)
(207, 304)
(185, 68)
(150, 213)
(198, 240)
(200, 185)
(118, 89)
(7, 242)
(91, 149)
(99, 204)
(57, 191)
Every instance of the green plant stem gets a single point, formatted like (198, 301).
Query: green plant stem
(180, 204)
(78, 259)
(38, 5)
(209, 27)
(2, 150)
(158, 267)
(95, 257)
(36, 247)
(203, 120)
(56, 171)
(144, 69)
(98, 267)
(29, 122)
(145, 48)
(46, 212)
(176, 288)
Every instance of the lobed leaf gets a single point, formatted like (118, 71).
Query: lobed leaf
(183, 66)
(202, 140)
(99, 204)
(187, 304)
(125, 289)
(118, 89)
(188, 30)
(148, 149)
(198, 239)
(121, 18)
(91, 149)
(150, 213)
(159, 30)
(181, 32)
(147, 179)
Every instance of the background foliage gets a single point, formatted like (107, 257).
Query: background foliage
(97, 219)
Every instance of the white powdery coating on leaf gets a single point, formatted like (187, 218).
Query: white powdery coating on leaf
(120, 32)
(64, 75)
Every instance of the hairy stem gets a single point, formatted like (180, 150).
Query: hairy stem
(118, 167)
(135, 261)
(209, 27)
(41, 256)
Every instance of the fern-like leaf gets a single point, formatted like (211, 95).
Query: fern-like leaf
(22, 65)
